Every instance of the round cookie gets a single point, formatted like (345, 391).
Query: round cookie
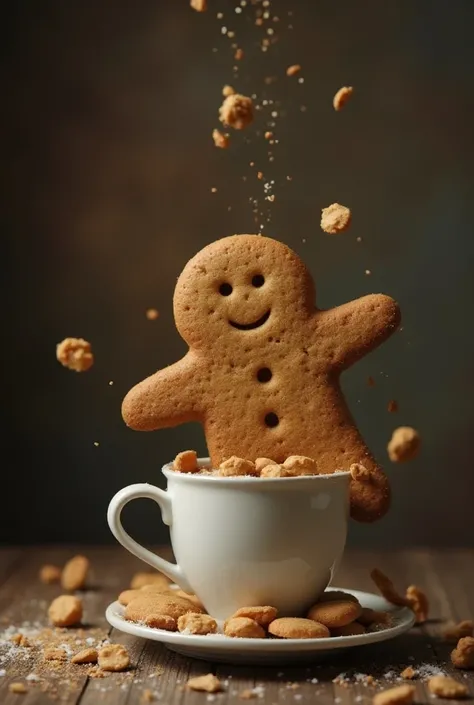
(274, 378)
(297, 628)
(334, 614)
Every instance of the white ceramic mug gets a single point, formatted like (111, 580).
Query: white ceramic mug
(241, 541)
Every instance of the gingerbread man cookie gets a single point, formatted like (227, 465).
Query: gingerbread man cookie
(263, 366)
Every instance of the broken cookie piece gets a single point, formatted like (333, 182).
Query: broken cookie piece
(75, 354)
(335, 218)
(236, 111)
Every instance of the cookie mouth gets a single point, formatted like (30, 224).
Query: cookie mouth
(251, 326)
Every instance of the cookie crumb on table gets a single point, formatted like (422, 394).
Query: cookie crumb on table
(293, 70)
(341, 97)
(463, 655)
(75, 354)
(50, 574)
(113, 657)
(54, 655)
(404, 444)
(446, 687)
(65, 611)
(236, 111)
(18, 688)
(335, 218)
(208, 683)
(220, 139)
(74, 573)
(400, 695)
(408, 673)
(85, 656)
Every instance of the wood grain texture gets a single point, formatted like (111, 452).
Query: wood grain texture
(158, 674)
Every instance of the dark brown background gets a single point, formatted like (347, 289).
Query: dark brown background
(108, 165)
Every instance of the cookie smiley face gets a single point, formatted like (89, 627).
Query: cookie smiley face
(235, 290)
(263, 367)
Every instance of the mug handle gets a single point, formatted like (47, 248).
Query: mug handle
(145, 491)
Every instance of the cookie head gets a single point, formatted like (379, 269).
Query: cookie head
(241, 287)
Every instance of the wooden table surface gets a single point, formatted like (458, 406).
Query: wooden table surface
(158, 675)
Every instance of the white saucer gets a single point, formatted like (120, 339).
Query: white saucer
(222, 649)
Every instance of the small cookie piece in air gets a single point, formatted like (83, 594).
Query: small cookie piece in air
(404, 444)
(341, 97)
(75, 354)
(74, 573)
(199, 5)
(335, 218)
(293, 70)
(236, 111)
(463, 655)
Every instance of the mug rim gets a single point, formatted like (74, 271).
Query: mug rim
(170, 473)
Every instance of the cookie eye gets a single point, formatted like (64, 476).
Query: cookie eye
(225, 289)
(258, 280)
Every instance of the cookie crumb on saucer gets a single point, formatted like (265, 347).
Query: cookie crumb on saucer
(341, 97)
(208, 683)
(236, 466)
(335, 218)
(196, 623)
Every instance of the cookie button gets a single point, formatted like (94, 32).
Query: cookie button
(271, 420)
(264, 375)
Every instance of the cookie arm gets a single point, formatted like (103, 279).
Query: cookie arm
(354, 329)
(167, 398)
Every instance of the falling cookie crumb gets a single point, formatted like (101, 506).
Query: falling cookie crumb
(335, 219)
(152, 314)
(199, 5)
(236, 111)
(227, 91)
(404, 444)
(75, 354)
(220, 139)
(239, 54)
(370, 382)
(208, 683)
(392, 406)
(74, 574)
(342, 96)
(293, 70)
